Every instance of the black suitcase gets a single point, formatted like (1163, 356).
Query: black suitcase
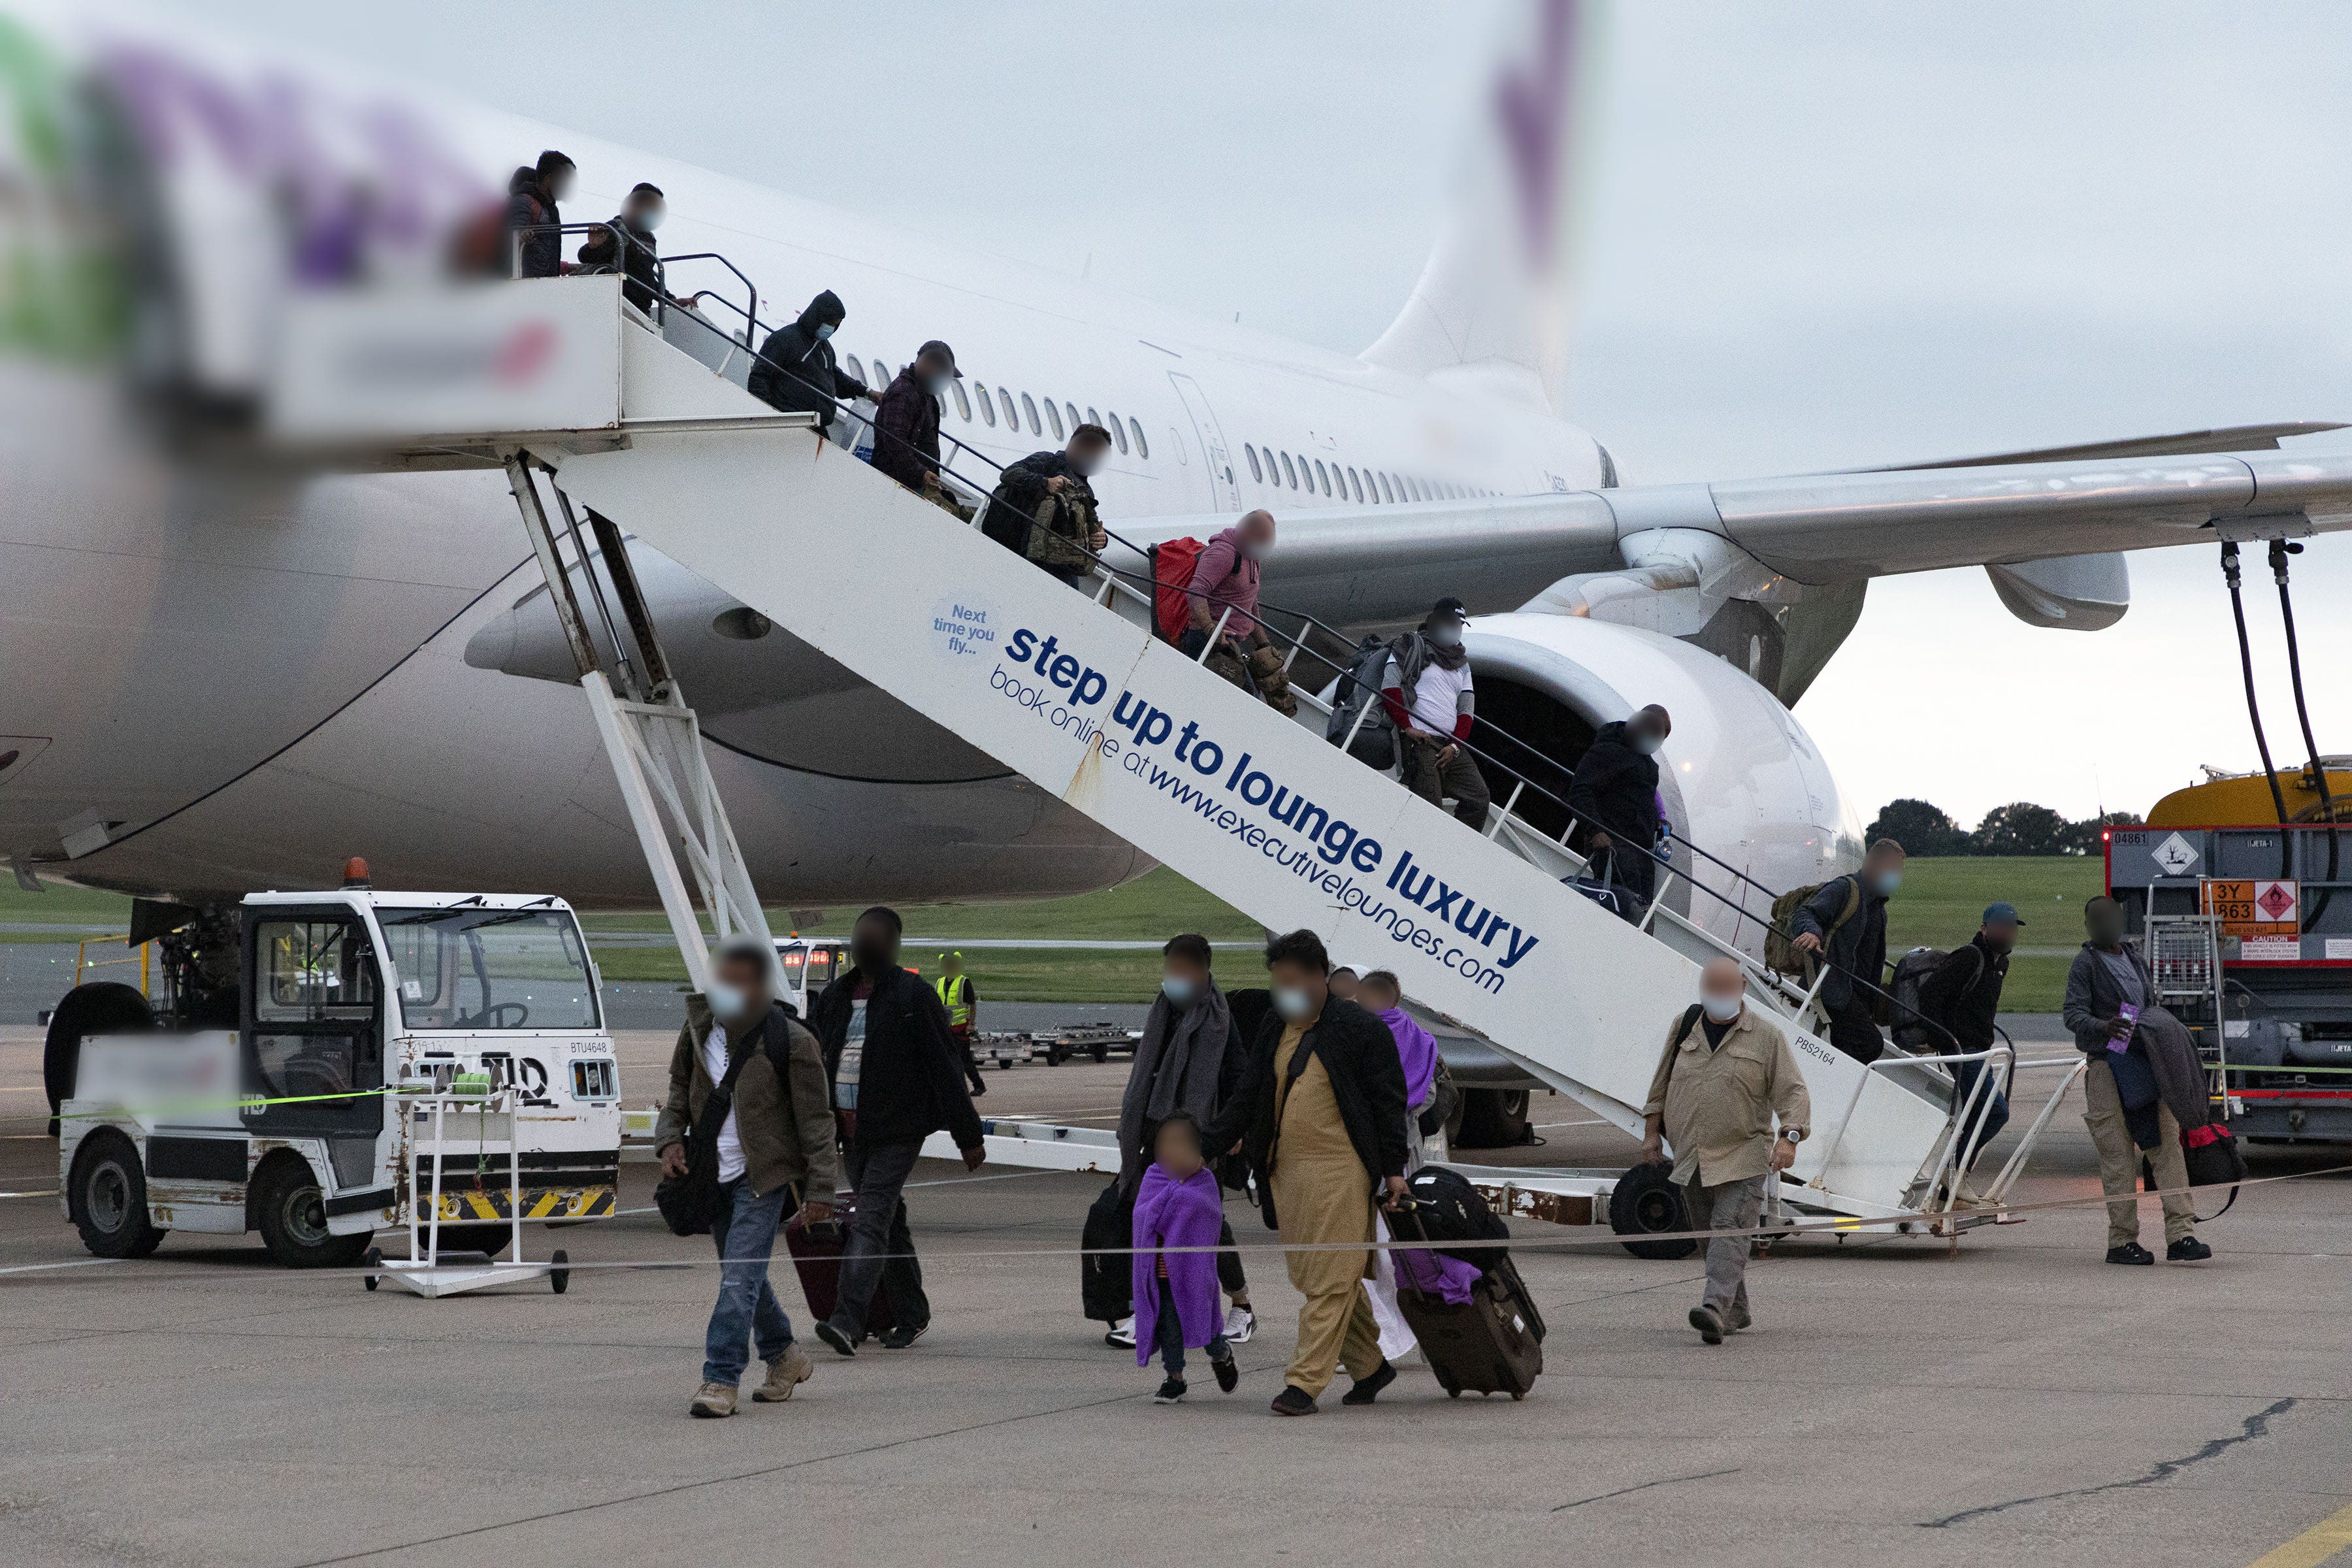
(816, 1259)
(1491, 1345)
(1107, 1284)
(1451, 1212)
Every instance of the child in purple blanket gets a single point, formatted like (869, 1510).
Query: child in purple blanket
(1178, 1203)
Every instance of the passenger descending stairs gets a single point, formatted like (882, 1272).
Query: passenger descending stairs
(1077, 695)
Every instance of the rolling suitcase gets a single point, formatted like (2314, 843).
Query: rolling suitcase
(1493, 1343)
(1107, 1283)
(816, 1259)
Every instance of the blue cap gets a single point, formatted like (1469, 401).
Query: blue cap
(2002, 915)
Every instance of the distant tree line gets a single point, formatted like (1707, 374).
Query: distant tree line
(2020, 828)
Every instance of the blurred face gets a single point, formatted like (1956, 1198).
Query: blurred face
(1445, 631)
(1721, 989)
(872, 946)
(2000, 937)
(950, 964)
(1342, 984)
(1087, 454)
(1379, 996)
(558, 184)
(1177, 1150)
(1181, 981)
(936, 372)
(2103, 921)
(1256, 531)
(1884, 871)
(1299, 991)
(738, 990)
(1648, 730)
(645, 212)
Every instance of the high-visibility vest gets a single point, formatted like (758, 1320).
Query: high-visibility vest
(955, 995)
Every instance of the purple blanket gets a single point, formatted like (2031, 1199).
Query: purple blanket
(1417, 1051)
(1434, 1274)
(1169, 1213)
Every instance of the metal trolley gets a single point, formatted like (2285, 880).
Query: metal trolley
(485, 1124)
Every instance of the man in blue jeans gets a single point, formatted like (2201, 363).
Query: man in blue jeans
(1963, 994)
(776, 1149)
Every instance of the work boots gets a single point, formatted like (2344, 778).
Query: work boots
(713, 1400)
(786, 1373)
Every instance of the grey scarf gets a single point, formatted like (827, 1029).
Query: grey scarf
(1178, 1064)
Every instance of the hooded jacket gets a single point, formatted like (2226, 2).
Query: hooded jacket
(1615, 790)
(527, 207)
(907, 431)
(910, 1080)
(622, 247)
(796, 372)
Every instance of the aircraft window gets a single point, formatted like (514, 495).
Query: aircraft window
(1054, 417)
(1037, 425)
(1289, 474)
(1323, 476)
(1388, 488)
(1072, 410)
(1142, 447)
(1256, 473)
(1118, 431)
(1356, 485)
(1092, 417)
(987, 409)
(856, 369)
(963, 404)
(1012, 415)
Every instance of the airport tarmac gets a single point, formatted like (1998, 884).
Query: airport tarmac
(2022, 1402)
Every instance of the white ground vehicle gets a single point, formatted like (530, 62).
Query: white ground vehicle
(809, 965)
(292, 1123)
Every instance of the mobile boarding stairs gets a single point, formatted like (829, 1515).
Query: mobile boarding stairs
(1076, 692)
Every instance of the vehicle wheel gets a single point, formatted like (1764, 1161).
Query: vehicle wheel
(374, 1257)
(1452, 1394)
(292, 1213)
(100, 1008)
(1647, 1201)
(1101, 1053)
(558, 1277)
(1494, 1118)
(1053, 1055)
(109, 1198)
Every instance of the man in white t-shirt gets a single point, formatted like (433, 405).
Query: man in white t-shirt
(1427, 690)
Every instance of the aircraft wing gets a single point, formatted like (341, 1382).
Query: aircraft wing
(1367, 563)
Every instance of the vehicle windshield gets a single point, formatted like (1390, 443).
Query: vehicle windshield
(806, 964)
(489, 969)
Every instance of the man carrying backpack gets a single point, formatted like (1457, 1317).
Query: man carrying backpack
(774, 1150)
(1962, 996)
(1843, 925)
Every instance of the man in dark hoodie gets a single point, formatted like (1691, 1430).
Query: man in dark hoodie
(897, 1079)
(796, 372)
(1615, 796)
(533, 198)
(625, 245)
(907, 421)
(1843, 926)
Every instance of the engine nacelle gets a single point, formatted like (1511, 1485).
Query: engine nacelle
(1739, 776)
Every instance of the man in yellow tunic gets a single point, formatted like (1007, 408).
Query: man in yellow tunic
(1320, 1112)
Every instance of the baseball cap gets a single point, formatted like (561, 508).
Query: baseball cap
(936, 347)
(1450, 605)
(2003, 914)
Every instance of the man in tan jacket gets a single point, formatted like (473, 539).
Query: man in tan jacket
(1725, 1073)
(775, 1152)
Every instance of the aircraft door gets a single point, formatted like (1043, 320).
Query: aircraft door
(1224, 489)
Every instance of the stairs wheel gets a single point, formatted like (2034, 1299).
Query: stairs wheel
(374, 1258)
(1645, 1202)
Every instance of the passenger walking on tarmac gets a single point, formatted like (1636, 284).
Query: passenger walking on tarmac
(1724, 1075)
(961, 997)
(796, 372)
(1382, 995)
(906, 423)
(1843, 925)
(1180, 1204)
(2122, 1100)
(1615, 794)
(1320, 1114)
(775, 1152)
(1963, 995)
(1428, 693)
(896, 1081)
(1044, 507)
(1188, 1062)
(533, 211)
(1223, 589)
(625, 245)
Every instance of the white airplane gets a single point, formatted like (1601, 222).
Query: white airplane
(225, 674)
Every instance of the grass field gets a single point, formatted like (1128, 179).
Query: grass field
(1939, 906)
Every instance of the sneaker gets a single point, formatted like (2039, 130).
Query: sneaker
(1171, 1391)
(1295, 1401)
(2130, 1252)
(713, 1400)
(1367, 1388)
(834, 1334)
(1241, 1325)
(900, 1337)
(1229, 1374)
(2187, 1249)
(1122, 1334)
(786, 1373)
(1709, 1326)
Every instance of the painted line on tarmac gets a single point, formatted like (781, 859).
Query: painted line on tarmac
(2313, 1546)
(49, 1194)
(74, 1263)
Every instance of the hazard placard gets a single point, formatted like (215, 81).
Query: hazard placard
(2268, 913)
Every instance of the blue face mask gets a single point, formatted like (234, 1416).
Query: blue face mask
(823, 331)
(1293, 1003)
(1178, 992)
(726, 1001)
(1886, 882)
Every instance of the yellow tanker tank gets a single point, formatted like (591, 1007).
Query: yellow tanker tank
(2243, 800)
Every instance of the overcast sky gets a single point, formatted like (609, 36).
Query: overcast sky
(1814, 235)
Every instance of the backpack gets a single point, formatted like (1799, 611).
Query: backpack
(1107, 1280)
(1375, 741)
(1007, 524)
(1911, 1029)
(1172, 562)
(1781, 953)
(1450, 1210)
(2212, 1157)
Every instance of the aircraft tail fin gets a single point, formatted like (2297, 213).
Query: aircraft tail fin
(1491, 308)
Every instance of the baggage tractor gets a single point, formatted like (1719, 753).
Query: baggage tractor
(1107, 1284)
(1493, 1343)
(816, 1257)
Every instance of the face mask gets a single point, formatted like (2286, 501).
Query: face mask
(1086, 468)
(937, 386)
(1886, 882)
(1178, 992)
(871, 957)
(1445, 636)
(823, 331)
(1254, 550)
(1722, 1009)
(726, 1001)
(1645, 742)
(650, 221)
(1293, 1003)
